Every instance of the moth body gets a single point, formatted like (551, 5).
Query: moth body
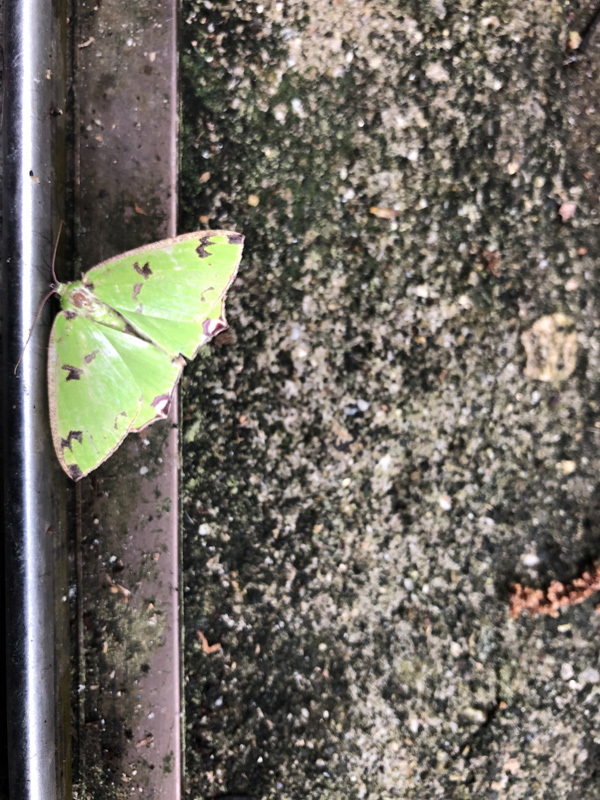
(79, 298)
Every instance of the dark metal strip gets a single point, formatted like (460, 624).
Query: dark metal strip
(33, 500)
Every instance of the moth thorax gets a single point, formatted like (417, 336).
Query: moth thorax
(79, 297)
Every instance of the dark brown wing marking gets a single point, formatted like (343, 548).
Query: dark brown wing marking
(66, 443)
(144, 271)
(75, 472)
(201, 249)
(120, 414)
(90, 356)
(74, 372)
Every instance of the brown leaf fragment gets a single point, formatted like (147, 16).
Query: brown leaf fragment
(146, 741)
(383, 213)
(491, 259)
(117, 588)
(139, 210)
(206, 647)
(558, 595)
(341, 435)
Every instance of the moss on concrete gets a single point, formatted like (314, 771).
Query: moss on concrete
(367, 467)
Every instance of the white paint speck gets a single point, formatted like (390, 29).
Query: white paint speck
(436, 73)
(566, 671)
(445, 502)
(297, 106)
(589, 675)
(530, 559)
(385, 463)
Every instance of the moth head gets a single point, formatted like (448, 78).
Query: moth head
(61, 288)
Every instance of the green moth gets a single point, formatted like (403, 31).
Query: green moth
(117, 347)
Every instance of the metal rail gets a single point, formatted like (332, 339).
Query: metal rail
(128, 550)
(33, 515)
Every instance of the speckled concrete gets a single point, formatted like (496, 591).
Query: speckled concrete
(382, 446)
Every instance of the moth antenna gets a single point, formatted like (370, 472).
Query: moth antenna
(33, 324)
(45, 299)
(60, 224)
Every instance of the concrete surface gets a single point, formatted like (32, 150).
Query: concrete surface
(382, 446)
